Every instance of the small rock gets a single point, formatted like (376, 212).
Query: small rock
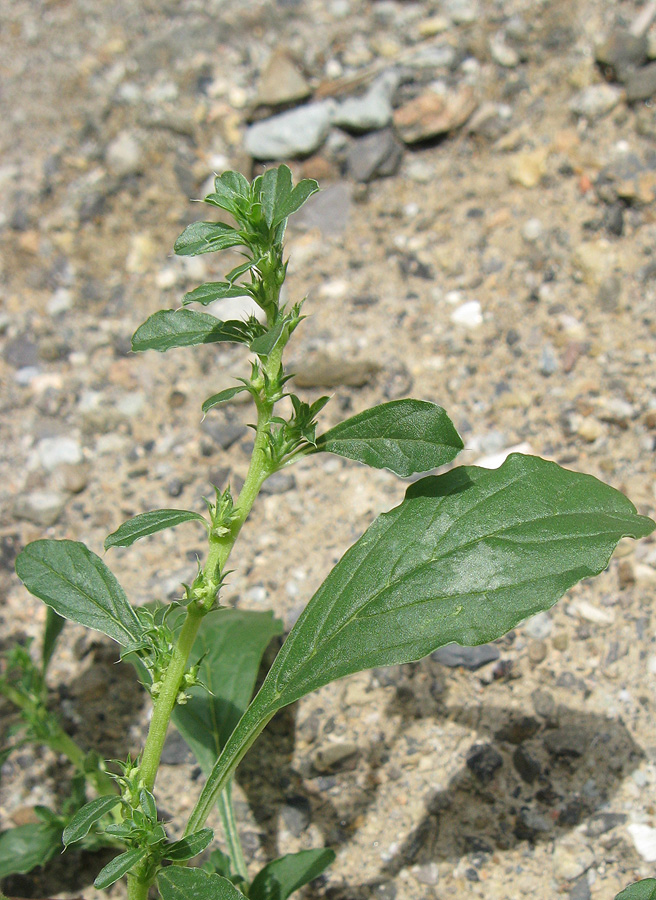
(539, 627)
(528, 168)
(560, 641)
(74, 478)
(484, 761)
(373, 110)
(519, 729)
(490, 120)
(641, 84)
(60, 302)
(329, 210)
(609, 294)
(461, 12)
(281, 81)
(472, 658)
(332, 755)
(42, 508)
(143, 252)
(568, 741)
(532, 231)
(596, 101)
(621, 53)
(468, 314)
(296, 815)
(175, 751)
(613, 220)
(603, 822)
(124, 156)
(537, 652)
(589, 429)
(580, 890)
(501, 53)
(590, 613)
(530, 824)
(526, 765)
(626, 574)
(571, 859)
(548, 361)
(543, 704)
(428, 873)
(433, 26)
(21, 352)
(298, 132)
(376, 155)
(325, 370)
(279, 483)
(57, 451)
(431, 115)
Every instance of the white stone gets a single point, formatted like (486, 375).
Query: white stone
(124, 155)
(532, 231)
(494, 460)
(596, 101)
(571, 859)
(295, 133)
(371, 111)
(644, 840)
(468, 314)
(58, 451)
(42, 508)
(590, 613)
(502, 54)
(61, 301)
(539, 627)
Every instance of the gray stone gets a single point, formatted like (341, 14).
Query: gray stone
(596, 101)
(526, 765)
(530, 823)
(641, 84)
(42, 508)
(568, 741)
(604, 822)
(373, 110)
(329, 210)
(518, 730)
(609, 293)
(332, 755)
(124, 156)
(472, 658)
(281, 81)
(426, 873)
(376, 155)
(21, 351)
(298, 132)
(279, 483)
(580, 890)
(58, 451)
(621, 53)
(548, 361)
(296, 814)
(543, 704)
(484, 761)
(225, 434)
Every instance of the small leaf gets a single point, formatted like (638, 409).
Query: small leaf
(190, 846)
(171, 328)
(303, 190)
(78, 585)
(266, 343)
(147, 804)
(28, 846)
(281, 877)
(206, 237)
(639, 890)
(276, 188)
(404, 436)
(84, 818)
(119, 867)
(149, 523)
(222, 397)
(176, 883)
(215, 290)
(229, 189)
(241, 269)
(52, 630)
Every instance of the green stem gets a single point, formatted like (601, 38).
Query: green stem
(233, 842)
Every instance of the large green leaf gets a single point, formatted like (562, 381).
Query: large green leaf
(28, 846)
(149, 523)
(84, 818)
(171, 328)
(231, 644)
(78, 586)
(639, 890)
(405, 436)
(281, 877)
(119, 867)
(206, 237)
(464, 558)
(215, 290)
(176, 883)
(51, 632)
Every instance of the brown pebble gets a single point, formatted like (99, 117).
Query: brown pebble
(626, 574)
(537, 651)
(560, 641)
(177, 399)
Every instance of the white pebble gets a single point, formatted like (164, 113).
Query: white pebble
(468, 314)
(644, 840)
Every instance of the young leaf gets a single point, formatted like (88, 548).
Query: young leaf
(266, 343)
(231, 644)
(222, 396)
(190, 846)
(77, 584)
(229, 189)
(215, 290)
(206, 237)
(276, 187)
(281, 877)
(171, 328)
(149, 523)
(405, 436)
(52, 630)
(119, 867)
(84, 818)
(148, 805)
(639, 890)
(241, 269)
(176, 883)
(28, 846)
(303, 190)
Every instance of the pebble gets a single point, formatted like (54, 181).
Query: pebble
(641, 84)
(124, 155)
(484, 761)
(281, 81)
(21, 352)
(518, 730)
(589, 429)
(332, 755)
(537, 652)
(621, 53)
(326, 370)
(571, 858)
(373, 110)
(529, 167)
(532, 231)
(528, 768)
(142, 253)
(603, 822)
(296, 814)
(42, 508)
(433, 114)
(468, 314)
(548, 361)
(376, 155)
(580, 890)
(644, 840)
(57, 451)
(298, 132)
(503, 54)
(427, 873)
(60, 302)
(596, 101)
(590, 613)
(567, 741)
(472, 658)
(609, 294)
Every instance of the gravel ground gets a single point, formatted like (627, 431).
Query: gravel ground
(484, 240)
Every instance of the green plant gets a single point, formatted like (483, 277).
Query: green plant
(465, 557)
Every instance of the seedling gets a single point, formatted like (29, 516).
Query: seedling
(465, 557)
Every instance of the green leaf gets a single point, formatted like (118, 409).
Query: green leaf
(119, 867)
(283, 876)
(222, 397)
(190, 846)
(78, 585)
(405, 436)
(206, 237)
(266, 343)
(276, 188)
(231, 644)
(176, 883)
(84, 818)
(229, 189)
(51, 632)
(215, 290)
(241, 269)
(639, 890)
(149, 523)
(171, 328)
(303, 190)
(28, 846)
(148, 805)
